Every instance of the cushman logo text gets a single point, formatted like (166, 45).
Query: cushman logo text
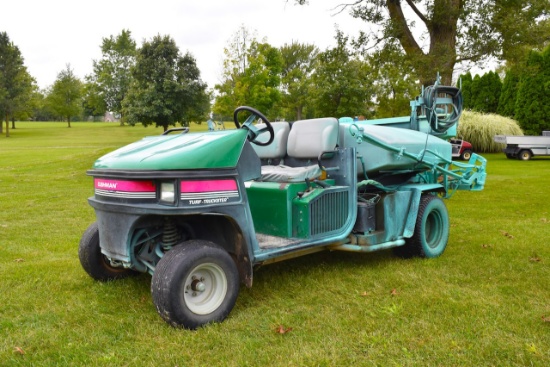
(107, 185)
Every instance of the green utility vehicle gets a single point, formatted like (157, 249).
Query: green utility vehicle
(199, 211)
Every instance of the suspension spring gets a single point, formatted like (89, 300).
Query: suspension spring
(169, 234)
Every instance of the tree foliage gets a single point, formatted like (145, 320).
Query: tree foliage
(262, 78)
(465, 83)
(435, 35)
(166, 88)
(521, 26)
(482, 92)
(336, 82)
(26, 101)
(524, 95)
(395, 82)
(486, 92)
(108, 85)
(342, 83)
(16, 84)
(508, 94)
(251, 75)
(532, 107)
(65, 96)
(296, 78)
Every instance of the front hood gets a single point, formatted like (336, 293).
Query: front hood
(220, 149)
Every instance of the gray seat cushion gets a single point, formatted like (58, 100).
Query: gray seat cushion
(283, 173)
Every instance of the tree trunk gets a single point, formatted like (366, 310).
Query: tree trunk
(69, 121)
(299, 112)
(7, 126)
(442, 28)
(13, 123)
(443, 32)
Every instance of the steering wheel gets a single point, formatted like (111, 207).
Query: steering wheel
(253, 131)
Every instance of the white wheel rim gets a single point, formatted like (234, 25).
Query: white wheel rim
(205, 288)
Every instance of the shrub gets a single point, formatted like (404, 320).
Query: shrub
(479, 129)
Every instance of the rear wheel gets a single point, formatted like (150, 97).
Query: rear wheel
(525, 155)
(94, 262)
(431, 231)
(195, 283)
(466, 155)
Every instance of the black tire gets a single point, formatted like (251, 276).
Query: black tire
(195, 283)
(466, 155)
(431, 231)
(525, 155)
(94, 262)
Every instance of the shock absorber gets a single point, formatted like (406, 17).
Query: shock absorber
(169, 234)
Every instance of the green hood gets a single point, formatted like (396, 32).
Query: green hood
(220, 149)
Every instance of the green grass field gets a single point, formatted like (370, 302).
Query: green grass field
(485, 302)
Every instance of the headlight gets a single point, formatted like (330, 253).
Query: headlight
(167, 192)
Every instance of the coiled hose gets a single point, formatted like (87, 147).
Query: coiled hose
(440, 124)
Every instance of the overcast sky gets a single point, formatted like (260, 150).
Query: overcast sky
(53, 33)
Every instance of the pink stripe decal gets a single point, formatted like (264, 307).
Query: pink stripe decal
(128, 186)
(208, 185)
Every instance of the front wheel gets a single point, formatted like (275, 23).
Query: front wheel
(94, 262)
(195, 283)
(431, 232)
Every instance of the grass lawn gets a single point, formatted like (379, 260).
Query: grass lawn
(485, 302)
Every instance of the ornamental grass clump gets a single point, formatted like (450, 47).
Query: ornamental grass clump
(479, 129)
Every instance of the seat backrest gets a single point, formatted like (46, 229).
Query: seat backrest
(277, 148)
(309, 138)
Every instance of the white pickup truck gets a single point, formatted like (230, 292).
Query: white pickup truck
(525, 147)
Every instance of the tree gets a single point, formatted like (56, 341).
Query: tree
(296, 77)
(251, 76)
(481, 93)
(166, 88)
(16, 84)
(342, 83)
(93, 102)
(395, 83)
(454, 30)
(465, 83)
(234, 67)
(25, 102)
(532, 108)
(262, 77)
(65, 97)
(112, 76)
(486, 92)
(508, 95)
(522, 26)
(40, 108)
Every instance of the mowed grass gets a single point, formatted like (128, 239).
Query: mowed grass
(485, 302)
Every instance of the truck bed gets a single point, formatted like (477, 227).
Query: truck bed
(523, 140)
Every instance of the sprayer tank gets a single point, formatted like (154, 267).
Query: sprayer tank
(376, 158)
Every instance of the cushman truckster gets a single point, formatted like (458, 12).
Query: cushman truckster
(199, 211)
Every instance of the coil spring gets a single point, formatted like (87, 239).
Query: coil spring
(169, 234)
